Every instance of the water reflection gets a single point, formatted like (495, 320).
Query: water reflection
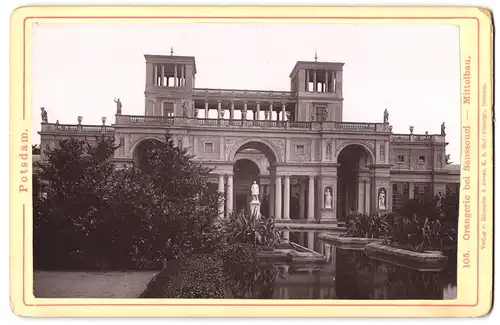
(347, 274)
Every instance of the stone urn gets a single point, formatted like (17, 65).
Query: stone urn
(103, 120)
(80, 118)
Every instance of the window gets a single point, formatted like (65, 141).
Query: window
(168, 109)
(209, 147)
(421, 190)
(400, 194)
(299, 149)
(320, 114)
(421, 159)
(401, 159)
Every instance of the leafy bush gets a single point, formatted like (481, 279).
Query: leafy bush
(96, 217)
(251, 228)
(361, 225)
(443, 207)
(197, 276)
(418, 233)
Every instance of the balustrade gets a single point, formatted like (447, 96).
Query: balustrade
(207, 92)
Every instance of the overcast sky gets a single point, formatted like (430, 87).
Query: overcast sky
(412, 70)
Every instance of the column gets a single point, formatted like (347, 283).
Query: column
(245, 108)
(182, 75)
(229, 194)
(387, 158)
(176, 82)
(327, 81)
(411, 190)
(302, 200)
(283, 108)
(206, 108)
(302, 238)
(310, 240)
(286, 207)
(277, 195)
(221, 190)
(310, 208)
(231, 114)
(219, 108)
(367, 198)
(163, 84)
(257, 114)
(286, 236)
(361, 192)
(307, 80)
(156, 75)
(271, 196)
(315, 82)
(270, 111)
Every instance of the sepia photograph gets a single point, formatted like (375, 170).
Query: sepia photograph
(246, 161)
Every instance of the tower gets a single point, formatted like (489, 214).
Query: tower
(169, 85)
(318, 86)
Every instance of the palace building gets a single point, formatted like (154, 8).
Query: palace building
(310, 165)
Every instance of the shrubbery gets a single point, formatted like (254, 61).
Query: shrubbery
(361, 225)
(93, 216)
(422, 224)
(243, 227)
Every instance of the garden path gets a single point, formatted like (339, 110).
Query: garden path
(54, 284)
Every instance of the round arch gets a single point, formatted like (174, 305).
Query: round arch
(368, 150)
(268, 148)
(141, 140)
(139, 144)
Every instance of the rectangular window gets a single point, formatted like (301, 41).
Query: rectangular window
(168, 109)
(400, 195)
(299, 149)
(209, 147)
(401, 159)
(320, 113)
(421, 190)
(421, 159)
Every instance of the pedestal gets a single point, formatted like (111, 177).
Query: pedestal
(255, 207)
(328, 216)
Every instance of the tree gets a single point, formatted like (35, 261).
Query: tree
(76, 177)
(95, 216)
(181, 218)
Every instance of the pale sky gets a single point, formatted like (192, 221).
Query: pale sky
(412, 70)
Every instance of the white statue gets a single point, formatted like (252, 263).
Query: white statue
(381, 199)
(255, 191)
(328, 199)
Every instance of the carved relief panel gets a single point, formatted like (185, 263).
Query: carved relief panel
(209, 147)
(300, 150)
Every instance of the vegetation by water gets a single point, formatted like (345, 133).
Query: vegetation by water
(422, 224)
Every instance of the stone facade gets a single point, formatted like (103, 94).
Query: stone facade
(304, 153)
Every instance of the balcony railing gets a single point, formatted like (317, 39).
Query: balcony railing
(418, 137)
(72, 128)
(207, 92)
(261, 124)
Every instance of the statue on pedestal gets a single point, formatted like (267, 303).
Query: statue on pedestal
(382, 199)
(328, 198)
(45, 119)
(386, 116)
(184, 110)
(443, 129)
(255, 191)
(118, 106)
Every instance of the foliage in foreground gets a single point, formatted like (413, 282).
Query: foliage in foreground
(251, 228)
(197, 276)
(422, 224)
(361, 225)
(93, 216)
